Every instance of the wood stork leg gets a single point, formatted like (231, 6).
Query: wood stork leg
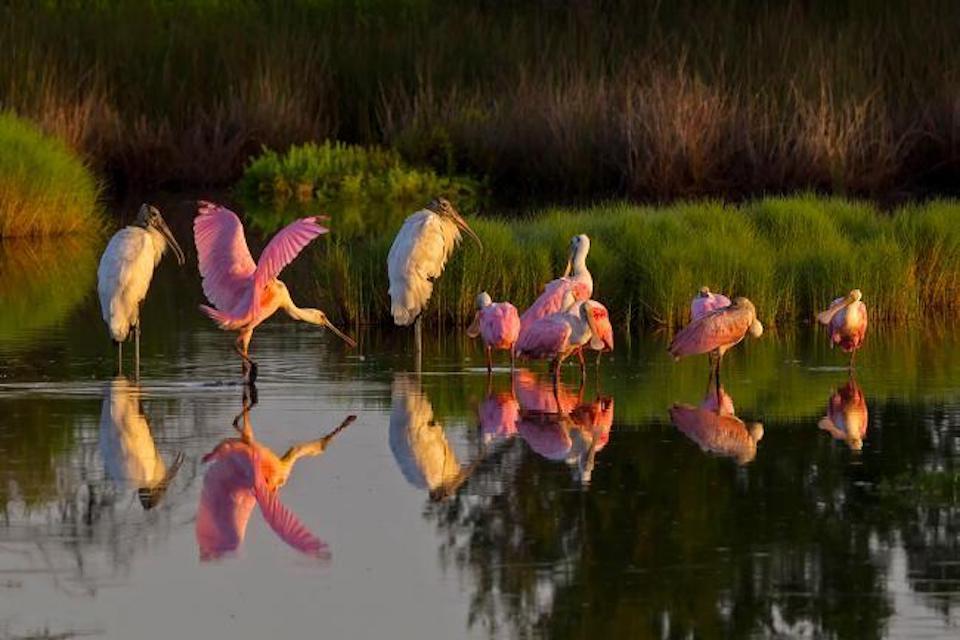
(119, 357)
(136, 352)
(418, 342)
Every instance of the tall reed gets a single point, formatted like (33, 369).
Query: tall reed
(791, 256)
(647, 99)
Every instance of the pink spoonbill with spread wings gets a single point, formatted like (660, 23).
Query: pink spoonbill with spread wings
(247, 293)
(498, 324)
(846, 319)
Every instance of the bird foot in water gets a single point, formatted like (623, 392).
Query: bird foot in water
(251, 376)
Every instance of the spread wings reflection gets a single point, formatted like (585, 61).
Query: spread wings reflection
(243, 473)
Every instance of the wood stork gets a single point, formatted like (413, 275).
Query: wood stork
(417, 258)
(124, 274)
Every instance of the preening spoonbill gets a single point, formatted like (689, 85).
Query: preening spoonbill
(129, 453)
(846, 319)
(245, 294)
(717, 331)
(498, 324)
(576, 279)
(417, 258)
(498, 413)
(847, 415)
(124, 274)
(242, 473)
(558, 335)
(705, 302)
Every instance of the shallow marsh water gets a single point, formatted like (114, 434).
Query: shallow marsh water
(452, 508)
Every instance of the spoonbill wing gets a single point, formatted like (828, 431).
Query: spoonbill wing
(283, 521)
(223, 257)
(721, 328)
(284, 247)
(551, 300)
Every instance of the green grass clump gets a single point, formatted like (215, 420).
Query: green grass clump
(790, 256)
(44, 188)
(371, 189)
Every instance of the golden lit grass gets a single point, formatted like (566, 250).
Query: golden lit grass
(44, 188)
(791, 256)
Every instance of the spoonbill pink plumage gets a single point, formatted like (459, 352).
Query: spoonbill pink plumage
(576, 279)
(247, 293)
(498, 324)
(846, 319)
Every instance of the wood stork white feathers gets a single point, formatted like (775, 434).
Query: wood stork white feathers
(124, 274)
(418, 256)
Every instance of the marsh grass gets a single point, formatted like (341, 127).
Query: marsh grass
(45, 189)
(791, 256)
(371, 189)
(647, 99)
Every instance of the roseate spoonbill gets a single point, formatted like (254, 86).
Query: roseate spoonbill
(558, 335)
(576, 279)
(245, 294)
(705, 302)
(847, 415)
(417, 258)
(242, 473)
(846, 320)
(498, 324)
(719, 433)
(129, 453)
(718, 330)
(124, 274)
(419, 443)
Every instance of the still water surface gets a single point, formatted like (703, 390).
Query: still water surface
(457, 507)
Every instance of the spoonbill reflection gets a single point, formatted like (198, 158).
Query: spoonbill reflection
(847, 415)
(127, 447)
(715, 428)
(498, 324)
(124, 275)
(417, 258)
(717, 330)
(242, 473)
(846, 320)
(557, 425)
(247, 293)
(498, 413)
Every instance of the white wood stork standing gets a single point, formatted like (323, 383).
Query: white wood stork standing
(124, 274)
(417, 258)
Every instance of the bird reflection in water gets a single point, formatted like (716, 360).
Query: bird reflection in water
(715, 427)
(558, 425)
(129, 453)
(847, 415)
(241, 473)
(419, 443)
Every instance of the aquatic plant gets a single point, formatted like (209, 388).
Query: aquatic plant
(647, 99)
(371, 189)
(791, 256)
(44, 188)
